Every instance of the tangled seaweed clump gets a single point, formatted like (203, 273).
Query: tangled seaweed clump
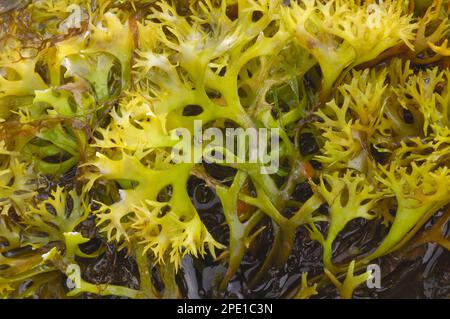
(91, 92)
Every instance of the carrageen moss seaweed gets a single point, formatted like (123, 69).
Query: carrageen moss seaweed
(91, 92)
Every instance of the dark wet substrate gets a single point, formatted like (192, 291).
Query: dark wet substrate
(423, 272)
